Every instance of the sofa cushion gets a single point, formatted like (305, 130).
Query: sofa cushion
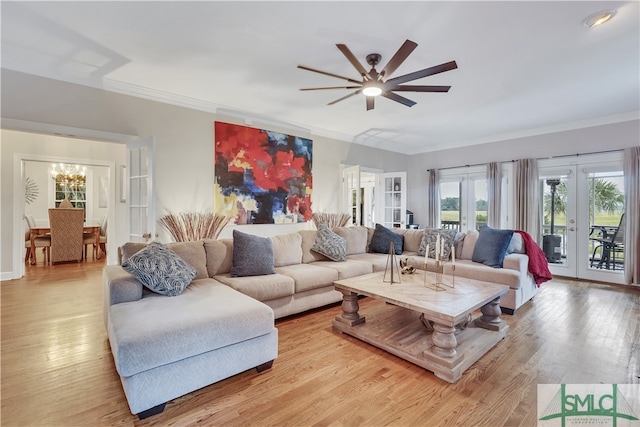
(160, 269)
(192, 252)
(252, 255)
(219, 256)
(157, 330)
(492, 246)
(309, 276)
(412, 239)
(308, 238)
(350, 268)
(378, 261)
(516, 245)
(262, 288)
(382, 237)
(469, 244)
(287, 249)
(356, 238)
(430, 237)
(330, 244)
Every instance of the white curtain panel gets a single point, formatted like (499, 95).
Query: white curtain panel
(434, 199)
(494, 194)
(631, 169)
(527, 197)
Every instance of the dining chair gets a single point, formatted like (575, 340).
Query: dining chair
(66, 234)
(43, 242)
(90, 239)
(609, 245)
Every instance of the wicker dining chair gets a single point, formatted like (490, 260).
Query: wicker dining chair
(66, 234)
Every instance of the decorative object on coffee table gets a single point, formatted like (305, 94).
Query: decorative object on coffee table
(391, 267)
(439, 268)
(406, 266)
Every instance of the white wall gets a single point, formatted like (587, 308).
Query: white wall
(184, 147)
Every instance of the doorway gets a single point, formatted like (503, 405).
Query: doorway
(582, 205)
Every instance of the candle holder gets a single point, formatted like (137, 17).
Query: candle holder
(438, 269)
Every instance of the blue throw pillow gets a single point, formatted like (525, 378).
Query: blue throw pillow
(492, 246)
(381, 238)
(252, 255)
(160, 269)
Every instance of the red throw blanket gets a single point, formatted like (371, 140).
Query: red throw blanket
(538, 265)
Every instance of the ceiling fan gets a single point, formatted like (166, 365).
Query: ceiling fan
(376, 83)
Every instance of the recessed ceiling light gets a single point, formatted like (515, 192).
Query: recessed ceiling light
(599, 18)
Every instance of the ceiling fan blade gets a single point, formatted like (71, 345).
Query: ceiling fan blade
(447, 66)
(398, 58)
(354, 61)
(329, 74)
(345, 97)
(332, 87)
(418, 88)
(370, 102)
(398, 98)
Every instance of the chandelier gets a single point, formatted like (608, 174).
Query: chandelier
(69, 175)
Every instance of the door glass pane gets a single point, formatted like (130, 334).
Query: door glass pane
(554, 219)
(450, 205)
(606, 236)
(480, 202)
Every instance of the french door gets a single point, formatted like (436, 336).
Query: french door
(582, 197)
(138, 190)
(463, 199)
(392, 199)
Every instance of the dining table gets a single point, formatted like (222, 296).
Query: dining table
(43, 230)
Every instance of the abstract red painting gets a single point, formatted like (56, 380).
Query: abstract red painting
(262, 177)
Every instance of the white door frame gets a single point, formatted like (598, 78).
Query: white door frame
(19, 203)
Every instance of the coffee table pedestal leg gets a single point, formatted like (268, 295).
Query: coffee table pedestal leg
(350, 307)
(490, 318)
(444, 340)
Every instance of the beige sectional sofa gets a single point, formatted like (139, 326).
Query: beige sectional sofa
(221, 325)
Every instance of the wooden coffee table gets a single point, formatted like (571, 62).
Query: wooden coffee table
(396, 326)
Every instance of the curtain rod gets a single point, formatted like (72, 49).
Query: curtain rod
(539, 158)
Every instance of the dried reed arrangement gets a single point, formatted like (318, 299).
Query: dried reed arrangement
(191, 226)
(331, 219)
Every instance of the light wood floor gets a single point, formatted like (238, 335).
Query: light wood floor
(57, 368)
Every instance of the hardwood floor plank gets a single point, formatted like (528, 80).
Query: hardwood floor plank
(57, 367)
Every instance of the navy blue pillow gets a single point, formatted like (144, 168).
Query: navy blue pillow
(491, 246)
(381, 238)
(252, 255)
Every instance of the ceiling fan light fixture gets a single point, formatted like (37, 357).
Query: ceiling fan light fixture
(371, 89)
(599, 18)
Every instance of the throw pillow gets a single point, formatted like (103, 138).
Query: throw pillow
(160, 269)
(492, 246)
(329, 244)
(516, 246)
(252, 255)
(429, 238)
(381, 238)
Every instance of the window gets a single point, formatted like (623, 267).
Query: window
(70, 182)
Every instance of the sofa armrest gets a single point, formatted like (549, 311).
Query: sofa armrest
(518, 262)
(118, 286)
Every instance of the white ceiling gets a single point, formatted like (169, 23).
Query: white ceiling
(524, 68)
